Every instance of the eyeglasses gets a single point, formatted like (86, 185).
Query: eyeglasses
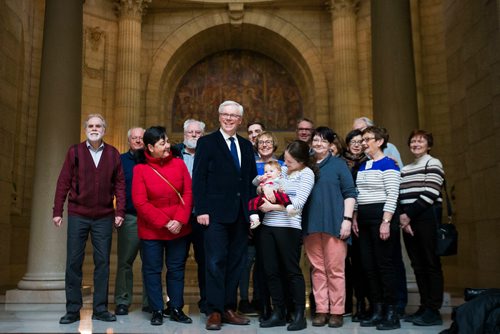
(304, 129)
(356, 142)
(229, 116)
(265, 142)
(366, 140)
(135, 138)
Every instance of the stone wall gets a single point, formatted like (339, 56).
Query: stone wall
(20, 40)
(472, 58)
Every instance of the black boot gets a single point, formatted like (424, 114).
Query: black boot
(265, 311)
(276, 319)
(376, 317)
(360, 311)
(391, 319)
(299, 322)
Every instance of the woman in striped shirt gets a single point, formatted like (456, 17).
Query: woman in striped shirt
(420, 199)
(281, 237)
(378, 188)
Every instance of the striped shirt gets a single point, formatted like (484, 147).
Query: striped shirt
(297, 186)
(421, 183)
(378, 182)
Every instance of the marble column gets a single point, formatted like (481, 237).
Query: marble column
(58, 127)
(393, 68)
(128, 72)
(394, 86)
(346, 97)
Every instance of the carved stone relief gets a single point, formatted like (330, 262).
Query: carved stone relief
(265, 89)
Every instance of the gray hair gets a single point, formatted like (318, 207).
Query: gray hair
(86, 122)
(238, 106)
(366, 120)
(133, 128)
(194, 121)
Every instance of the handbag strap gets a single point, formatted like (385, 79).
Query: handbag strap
(449, 208)
(170, 184)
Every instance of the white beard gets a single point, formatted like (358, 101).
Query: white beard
(94, 137)
(190, 143)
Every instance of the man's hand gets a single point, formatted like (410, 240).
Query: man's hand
(57, 221)
(118, 221)
(203, 219)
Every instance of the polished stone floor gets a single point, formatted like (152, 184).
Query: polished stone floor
(44, 318)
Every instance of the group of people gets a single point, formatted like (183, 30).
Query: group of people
(241, 207)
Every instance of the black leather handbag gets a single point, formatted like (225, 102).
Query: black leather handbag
(447, 239)
(447, 234)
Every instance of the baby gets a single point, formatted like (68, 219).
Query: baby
(271, 178)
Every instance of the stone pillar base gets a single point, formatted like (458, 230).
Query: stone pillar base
(17, 296)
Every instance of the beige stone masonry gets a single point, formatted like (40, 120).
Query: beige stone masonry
(128, 74)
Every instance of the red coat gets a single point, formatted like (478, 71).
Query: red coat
(156, 202)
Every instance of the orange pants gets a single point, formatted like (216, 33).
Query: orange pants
(327, 254)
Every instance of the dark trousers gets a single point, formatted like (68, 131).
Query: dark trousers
(426, 264)
(225, 251)
(197, 239)
(154, 253)
(399, 265)
(100, 231)
(281, 249)
(128, 245)
(261, 289)
(354, 275)
(249, 270)
(378, 264)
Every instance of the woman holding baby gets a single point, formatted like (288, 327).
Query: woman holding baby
(281, 237)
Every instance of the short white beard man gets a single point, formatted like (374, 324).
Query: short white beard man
(191, 143)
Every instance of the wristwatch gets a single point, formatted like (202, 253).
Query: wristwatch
(385, 220)
(348, 218)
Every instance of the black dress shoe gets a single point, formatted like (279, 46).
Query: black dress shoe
(157, 318)
(176, 314)
(104, 316)
(69, 318)
(166, 312)
(121, 309)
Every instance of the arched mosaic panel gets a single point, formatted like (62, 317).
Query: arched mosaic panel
(265, 89)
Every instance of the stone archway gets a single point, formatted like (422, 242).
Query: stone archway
(212, 33)
(267, 92)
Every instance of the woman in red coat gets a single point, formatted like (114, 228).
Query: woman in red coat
(161, 193)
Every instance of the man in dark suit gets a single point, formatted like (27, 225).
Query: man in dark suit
(224, 167)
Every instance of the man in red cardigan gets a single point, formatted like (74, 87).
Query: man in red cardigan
(91, 177)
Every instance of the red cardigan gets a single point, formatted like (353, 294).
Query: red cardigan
(156, 202)
(98, 186)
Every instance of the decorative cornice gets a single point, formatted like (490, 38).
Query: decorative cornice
(236, 12)
(343, 7)
(132, 9)
(95, 37)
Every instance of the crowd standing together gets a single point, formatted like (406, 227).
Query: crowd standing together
(248, 213)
